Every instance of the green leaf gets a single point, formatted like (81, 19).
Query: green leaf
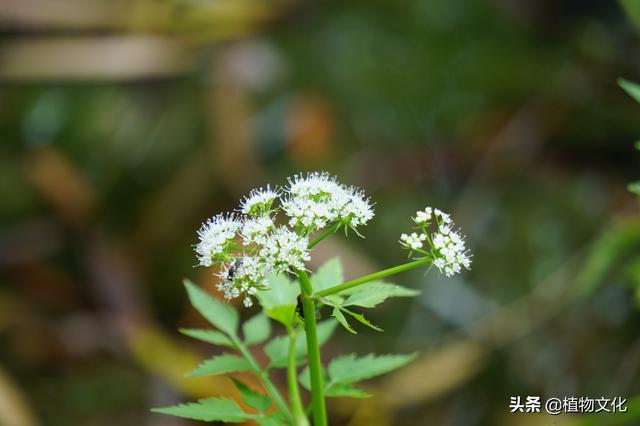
(328, 275)
(278, 348)
(283, 314)
(282, 292)
(209, 410)
(209, 336)
(360, 318)
(341, 390)
(339, 316)
(634, 187)
(305, 378)
(633, 89)
(279, 301)
(252, 398)
(256, 330)
(336, 390)
(220, 364)
(350, 369)
(222, 315)
(370, 295)
(273, 420)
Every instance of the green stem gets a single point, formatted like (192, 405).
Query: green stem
(313, 351)
(299, 416)
(324, 234)
(371, 277)
(264, 379)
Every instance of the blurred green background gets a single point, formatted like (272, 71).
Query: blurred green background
(125, 124)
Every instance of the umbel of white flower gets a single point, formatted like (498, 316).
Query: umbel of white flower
(251, 245)
(445, 247)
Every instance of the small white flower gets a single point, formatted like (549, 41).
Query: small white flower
(356, 210)
(450, 254)
(423, 216)
(255, 231)
(413, 241)
(215, 236)
(258, 202)
(444, 217)
(285, 250)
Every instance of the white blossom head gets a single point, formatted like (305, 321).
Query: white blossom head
(316, 200)
(243, 277)
(215, 236)
(445, 246)
(256, 230)
(259, 202)
(285, 250)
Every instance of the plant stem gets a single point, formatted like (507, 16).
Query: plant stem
(371, 277)
(299, 416)
(324, 234)
(313, 351)
(264, 379)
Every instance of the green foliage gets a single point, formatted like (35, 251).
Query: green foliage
(279, 301)
(277, 349)
(209, 336)
(211, 409)
(256, 330)
(338, 314)
(328, 275)
(633, 89)
(366, 295)
(346, 370)
(279, 304)
(222, 315)
(340, 390)
(220, 364)
(252, 398)
(374, 293)
(349, 369)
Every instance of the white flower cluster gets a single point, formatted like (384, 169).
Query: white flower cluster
(215, 236)
(251, 246)
(316, 200)
(446, 247)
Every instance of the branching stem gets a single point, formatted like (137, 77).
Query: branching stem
(372, 277)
